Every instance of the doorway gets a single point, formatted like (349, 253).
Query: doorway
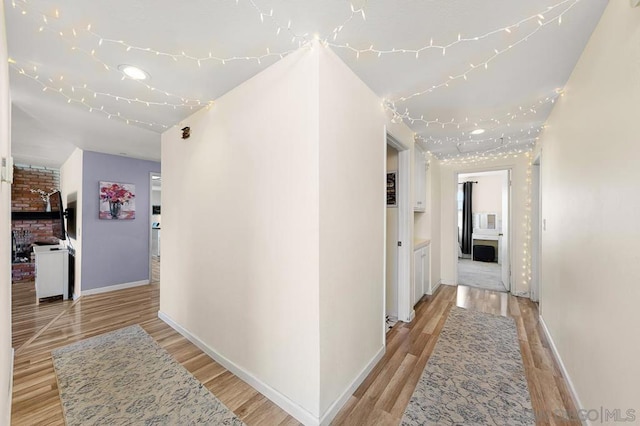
(398, 242)
(392, 238)
(483, 207)
(536, 230)
(155, 210)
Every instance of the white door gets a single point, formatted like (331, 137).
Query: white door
(504, 238)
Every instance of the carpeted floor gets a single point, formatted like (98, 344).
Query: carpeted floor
(475, 375)
(486, 275)
(125, 377)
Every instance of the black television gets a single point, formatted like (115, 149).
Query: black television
(70, 214)
(58, 227)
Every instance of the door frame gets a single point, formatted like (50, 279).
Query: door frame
(536, 229)
(151, 175)
(405, 250)
(454, 206)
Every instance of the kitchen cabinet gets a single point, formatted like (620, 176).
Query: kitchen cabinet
(421, 273)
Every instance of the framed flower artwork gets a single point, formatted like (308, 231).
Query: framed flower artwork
(117, 201)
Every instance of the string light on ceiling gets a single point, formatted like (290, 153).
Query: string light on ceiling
(521, 110)
(101, 40)
(83, 100)
(92, 55)
(520, 135)
(484, 64)
(482, 157)
(97, 94)
(538, 17)
(553, 14)
(295, 37)
(354, 12)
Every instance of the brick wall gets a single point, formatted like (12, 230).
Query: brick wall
(23, 200)
(32, 177)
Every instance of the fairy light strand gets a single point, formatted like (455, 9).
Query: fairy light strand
(526, 244)
(538, 16)
(300, 38)
(354, 12)
(83, 101)
(521, 110)
(96, 93)
(484, 64)
(523, 280)
(101, 40)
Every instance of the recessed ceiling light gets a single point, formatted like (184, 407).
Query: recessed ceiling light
(477, 132)
(133, 72)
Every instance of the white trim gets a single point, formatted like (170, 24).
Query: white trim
(405, 219)
(335, 408)
(510, 231)
(278, 398)
(447, 282)
(433, 290)
(151, 189)
(113, 288)
(412, 315)
(563, 369)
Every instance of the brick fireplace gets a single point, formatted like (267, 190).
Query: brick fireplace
(30, 230)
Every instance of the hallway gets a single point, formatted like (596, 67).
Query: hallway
(381, 399)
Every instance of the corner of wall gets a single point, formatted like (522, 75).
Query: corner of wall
(6, 352)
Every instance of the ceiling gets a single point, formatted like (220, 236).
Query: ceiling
(504, 64)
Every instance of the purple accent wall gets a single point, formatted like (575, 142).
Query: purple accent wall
(115, 251)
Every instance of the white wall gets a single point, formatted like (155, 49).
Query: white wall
(352, 203)
(6, 353)
(276, 266)
(487, 193)
(240, 249)
(520, 209)
(391, 282)
(590, 176)
(71, 189)
(434, 193)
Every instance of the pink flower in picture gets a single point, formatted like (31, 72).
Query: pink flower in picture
(117, 201)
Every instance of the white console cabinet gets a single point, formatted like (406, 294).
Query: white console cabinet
(52, 271)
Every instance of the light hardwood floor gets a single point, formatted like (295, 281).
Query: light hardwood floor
(380, 400)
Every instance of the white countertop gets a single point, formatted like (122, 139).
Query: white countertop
(418, 243)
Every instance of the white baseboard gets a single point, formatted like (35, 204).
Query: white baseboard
(301, 414)
(446, 282)
(112, 288)
(335, 408)
(565, 373)
(433, 291)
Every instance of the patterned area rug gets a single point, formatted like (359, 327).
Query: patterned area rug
(474, 376)
(125, 377)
